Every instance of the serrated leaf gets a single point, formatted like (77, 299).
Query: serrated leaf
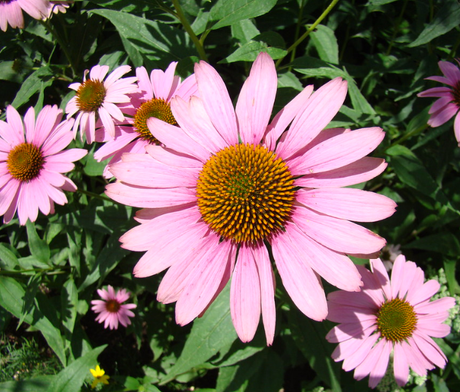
(325, 42)
(38, 247)
(160, 41)
(229, 12)
(445, 20)
(209, 334)
(73, 376)
(11, 298)
(37, 81)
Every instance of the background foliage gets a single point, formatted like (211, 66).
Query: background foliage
(50, 270)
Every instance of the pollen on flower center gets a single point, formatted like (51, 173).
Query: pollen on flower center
(396, 320)
(90, 95)
(157, 108)
(112, 306)
(245, 193)
(25, 161)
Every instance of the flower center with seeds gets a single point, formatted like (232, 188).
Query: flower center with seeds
(456, 94)
(90, 95)
(112, 306)
(25, 161)
(396, 320)
(157, 108)
(245, 193)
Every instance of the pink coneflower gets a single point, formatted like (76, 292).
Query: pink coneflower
(111, 309)
(448, 104)
(389, 317)
(228, 189)
(11, 11)
(31, 165)
(97, 99)
(151, 100)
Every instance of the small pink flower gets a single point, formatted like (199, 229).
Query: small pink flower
(389, 316)
(11, 12)
(97, 99)
(448, 104)
(58, 6)
(111, 309)
(31, 164)
(228, 182)
(152, 99)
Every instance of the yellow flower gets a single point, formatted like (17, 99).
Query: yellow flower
(99, 376)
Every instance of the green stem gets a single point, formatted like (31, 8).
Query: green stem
(188, 29)
(95, 195)
(41, 271)
(309, 30)
(396, 29)
(407, 136)
(297, 29)
(61, 43)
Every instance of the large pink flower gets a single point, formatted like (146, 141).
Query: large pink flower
(98, 99)
(31, 165)
(448, 104)
(11, 11)
(150, 100)
(389, 315)
(229, 189)
(111, 308)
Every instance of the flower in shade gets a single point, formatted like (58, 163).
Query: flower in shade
(58, 6)
(229, 188)
(448, 104)
(99, 99)
(99, 377)
(111, 308)
(151, 100)
(389, 317)
(11, 11)
(32, 160)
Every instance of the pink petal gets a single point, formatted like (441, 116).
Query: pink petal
(443, 115)
(400, 365)
(300, 281)
(348, 203)
(256, 99)
(339, 235)
(245, 295)
(380, 367)
(213, 92)
(320, 109)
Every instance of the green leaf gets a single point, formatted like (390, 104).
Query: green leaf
(8, 259)
(269, 42)
(36, 384)
(310, 338)
(158, 40)
(37, 81)
(244, 30)
(73, 376)
(411, 171)
(38, 247)
(445, 20)
(229, 12)
(209, 334)
(444, 243)
(325, 42)
(11, 298)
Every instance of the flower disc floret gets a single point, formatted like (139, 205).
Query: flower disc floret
(90, 95)
(157, 108)
(25, 161)
(245, 193)
(396, 320)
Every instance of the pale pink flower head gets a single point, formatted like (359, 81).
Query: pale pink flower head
(58, 6)
(111, 308)
(229, 188)
(32, 160)
(11, 12)
(152, 99)
(389, 317)
(99, 99)
(448, 104)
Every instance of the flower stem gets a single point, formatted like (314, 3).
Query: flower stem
(95, 195)
(188, 29)
(309, 30)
